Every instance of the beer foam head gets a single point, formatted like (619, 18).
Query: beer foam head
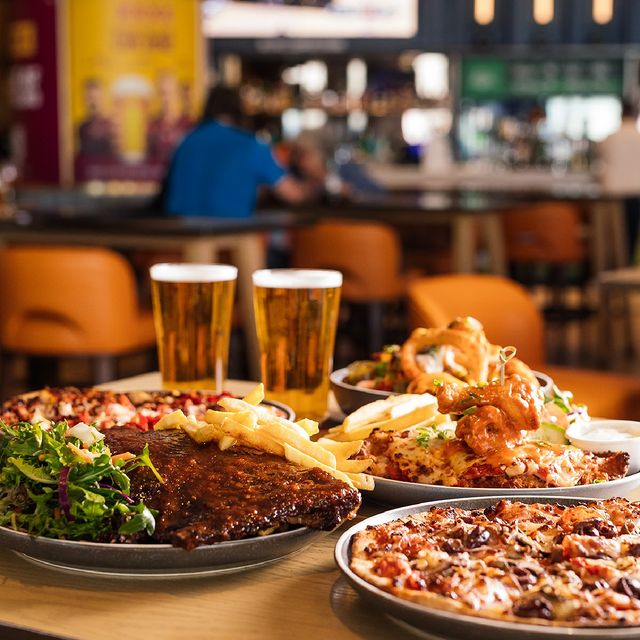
(186, 272)
(297, 278)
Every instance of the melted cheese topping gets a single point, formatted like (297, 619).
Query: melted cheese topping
(446, 462)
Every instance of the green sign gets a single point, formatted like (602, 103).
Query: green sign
(494, 78)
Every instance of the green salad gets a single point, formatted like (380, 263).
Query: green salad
(63, 482)
(383, 373)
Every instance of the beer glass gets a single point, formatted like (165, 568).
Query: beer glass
(296, 317)
(192, 305)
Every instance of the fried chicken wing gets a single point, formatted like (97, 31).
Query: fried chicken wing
(487, 430)
(503, 412)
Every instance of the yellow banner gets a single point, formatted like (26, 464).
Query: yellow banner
(134, 82)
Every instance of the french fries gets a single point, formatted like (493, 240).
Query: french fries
(173, 420)
(342, 450)
(245, 422)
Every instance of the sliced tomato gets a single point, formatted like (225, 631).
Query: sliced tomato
(151, 420)
(85, 416)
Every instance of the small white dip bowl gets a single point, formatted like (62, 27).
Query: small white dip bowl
(608, 435)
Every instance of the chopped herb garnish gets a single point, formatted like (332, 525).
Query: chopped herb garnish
(380, 370)
(470, 411)
(438, 382)
(431, 432)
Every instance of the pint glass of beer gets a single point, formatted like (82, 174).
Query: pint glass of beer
(192, 305)
(296, 317)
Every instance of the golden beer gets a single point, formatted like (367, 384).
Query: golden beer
(296, 318)
(192, 305)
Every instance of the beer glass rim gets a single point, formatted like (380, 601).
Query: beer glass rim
(192, 272)
(297, 278)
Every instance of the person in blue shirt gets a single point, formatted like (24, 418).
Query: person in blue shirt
(218, 167)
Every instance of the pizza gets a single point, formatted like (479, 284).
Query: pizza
(542, 563)
(435, 456)
(104, 408)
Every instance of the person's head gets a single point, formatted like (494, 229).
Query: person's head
(307, 158)
(223, 103)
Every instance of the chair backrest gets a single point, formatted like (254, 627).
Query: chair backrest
(507, 311)
(367, 253)
(59, 300)
(545, 232)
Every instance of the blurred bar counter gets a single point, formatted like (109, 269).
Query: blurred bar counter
(482, 176)
(469, 198)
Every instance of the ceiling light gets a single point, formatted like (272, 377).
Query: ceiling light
(483, 11)
(543, 11)
(602, 11)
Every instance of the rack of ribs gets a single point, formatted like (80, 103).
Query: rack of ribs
(210, 495)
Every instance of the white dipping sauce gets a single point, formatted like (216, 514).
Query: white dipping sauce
(611, 430)
(600, 436)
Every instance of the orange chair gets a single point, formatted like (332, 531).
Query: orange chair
(370, 258)
(545, 233)
(61, 301)
(510, 316)
(545, 245)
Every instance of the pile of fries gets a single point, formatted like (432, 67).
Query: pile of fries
(245, 422)
(395, 413)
